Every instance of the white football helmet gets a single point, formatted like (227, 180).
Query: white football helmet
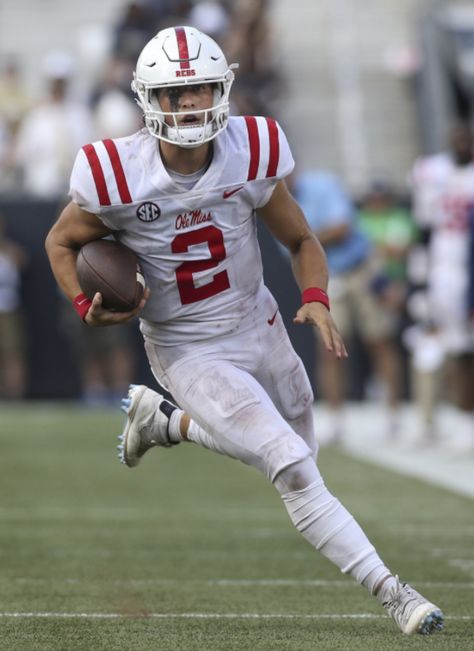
(179, 56)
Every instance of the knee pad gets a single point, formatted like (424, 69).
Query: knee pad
(297, 477)
(283, 452)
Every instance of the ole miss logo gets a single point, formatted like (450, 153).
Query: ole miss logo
(148, 211)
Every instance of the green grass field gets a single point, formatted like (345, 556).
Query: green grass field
(192, 551)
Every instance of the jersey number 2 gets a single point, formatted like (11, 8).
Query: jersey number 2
(188, 291)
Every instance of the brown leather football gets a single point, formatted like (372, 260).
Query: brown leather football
(112, 269)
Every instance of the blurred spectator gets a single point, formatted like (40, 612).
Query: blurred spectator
(355, 305)
(53, 132)
(211, 17)
(107, 364)
(115, 112)
(427, 359)
(15, 99)
(249, 41)
(12, 340)
(167, 13)
(134, 29)
(105, 356)
(390, 228)
(15, 102)
(5, 144)
(443, 197)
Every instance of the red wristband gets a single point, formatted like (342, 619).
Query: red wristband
(82, 304)
(315, 295)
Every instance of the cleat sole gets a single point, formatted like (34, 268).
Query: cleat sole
(432, 623)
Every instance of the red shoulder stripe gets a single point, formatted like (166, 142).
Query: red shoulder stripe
(120, 179)
(254, 142)
(274, 156)
(97, 174)
(182, 48)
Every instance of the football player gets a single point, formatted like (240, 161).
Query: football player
(443, 197)
(183, 193)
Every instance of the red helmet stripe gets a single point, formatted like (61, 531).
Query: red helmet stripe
(120, 179)
(254, 143)
(274, 155)
(97, 174)
(182, 47)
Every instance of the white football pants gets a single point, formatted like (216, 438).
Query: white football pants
(251, 398)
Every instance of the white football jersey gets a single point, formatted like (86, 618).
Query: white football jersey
(429, 177)
(198, 248)
(444, 201)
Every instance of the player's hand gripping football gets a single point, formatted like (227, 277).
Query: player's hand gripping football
(318, 315)
(97, 316)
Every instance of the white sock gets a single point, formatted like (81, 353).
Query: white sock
(196, 434)
(174, 429)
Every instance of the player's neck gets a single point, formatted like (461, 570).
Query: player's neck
(182, 160)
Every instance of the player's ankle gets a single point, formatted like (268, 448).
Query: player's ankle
(384, 588)
(178, 426)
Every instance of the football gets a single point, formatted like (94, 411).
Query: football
(112, 269)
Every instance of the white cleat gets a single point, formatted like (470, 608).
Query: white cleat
(147, 424)
(412, 612)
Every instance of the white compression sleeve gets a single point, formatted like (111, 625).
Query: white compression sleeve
(328, 526)
(319, 517)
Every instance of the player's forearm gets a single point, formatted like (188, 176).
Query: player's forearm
(309, 264)
(71, 231)
(63, 264)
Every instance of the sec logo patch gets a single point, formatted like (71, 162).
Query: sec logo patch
(148, 211)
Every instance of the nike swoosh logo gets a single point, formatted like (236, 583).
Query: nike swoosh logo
(272, 320)
(84, 300)
(228, 193)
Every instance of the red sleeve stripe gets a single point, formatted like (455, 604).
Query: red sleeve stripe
(182, 47)
(120, 179)
(254, 143)
(98, 175)
(274, 156)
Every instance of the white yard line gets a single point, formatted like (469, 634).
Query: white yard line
(205, 616)
(297, 583)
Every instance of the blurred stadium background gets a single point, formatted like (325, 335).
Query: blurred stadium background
(362, 90)
(368, 86)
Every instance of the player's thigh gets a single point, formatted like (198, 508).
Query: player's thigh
(284, 378)
(235, 410)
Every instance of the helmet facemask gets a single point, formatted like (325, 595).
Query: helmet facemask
(169, 126)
